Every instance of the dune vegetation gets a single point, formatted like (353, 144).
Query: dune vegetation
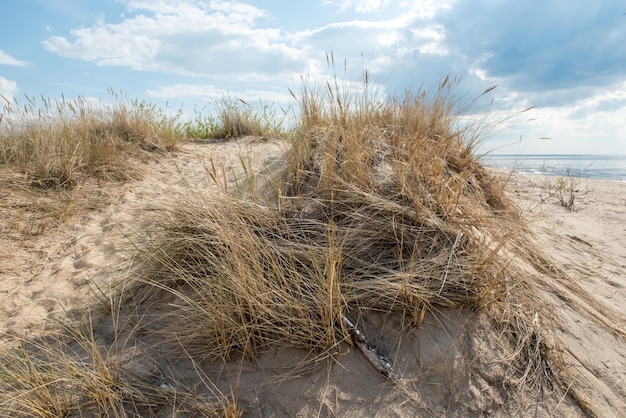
(380, 205)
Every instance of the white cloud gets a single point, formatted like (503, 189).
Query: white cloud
(108, 46)
(360, 6)
(603, 100)
(379, 65)
(207, 92)
(8, 88)
(593, 124)
(9, 60)
(598, 133)
(184, 37)
(411, 9)
(398, 42)
(224, 38)
(430, 40)
(425, 9)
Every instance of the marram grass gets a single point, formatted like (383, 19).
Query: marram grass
(381, 206)
(57, 144)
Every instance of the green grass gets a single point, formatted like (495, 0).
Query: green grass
(235, 118)
(564, 189)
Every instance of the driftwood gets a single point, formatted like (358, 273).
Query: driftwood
(371, 353)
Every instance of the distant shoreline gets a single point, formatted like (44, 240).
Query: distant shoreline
(591, 166)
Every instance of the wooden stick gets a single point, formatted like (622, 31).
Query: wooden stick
(371, 353)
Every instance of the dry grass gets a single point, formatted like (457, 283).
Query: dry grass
(57, 144)
(56, 156)
(382, 206)
(71, 373)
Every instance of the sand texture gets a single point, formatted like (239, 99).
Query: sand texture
(452, 365)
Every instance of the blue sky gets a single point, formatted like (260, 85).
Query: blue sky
(566, 57)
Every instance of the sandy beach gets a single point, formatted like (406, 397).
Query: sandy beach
(73, 266)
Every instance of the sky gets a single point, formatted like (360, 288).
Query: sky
(564, 58)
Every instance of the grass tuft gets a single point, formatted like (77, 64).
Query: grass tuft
(235, 118)
(564, 189)
(58, 144)
(72, 372)
(381, 207)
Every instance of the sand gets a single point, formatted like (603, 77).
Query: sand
(43, 276)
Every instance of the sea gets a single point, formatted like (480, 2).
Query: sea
(607, 167)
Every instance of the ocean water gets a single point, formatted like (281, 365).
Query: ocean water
(608, 167)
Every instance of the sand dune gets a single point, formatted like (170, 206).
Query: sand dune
(78, 262)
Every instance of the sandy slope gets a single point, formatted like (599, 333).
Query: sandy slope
(589, 245)
(65, 266)
(63, 269)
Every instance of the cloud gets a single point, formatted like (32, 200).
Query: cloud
(360, 6)
(6, 59)
(588, 133)
(591, 124)
(530, 46)
(228, 39)
(8, 88)
(404, 47)
(183, 37)
(208, 92)
(602, 100)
